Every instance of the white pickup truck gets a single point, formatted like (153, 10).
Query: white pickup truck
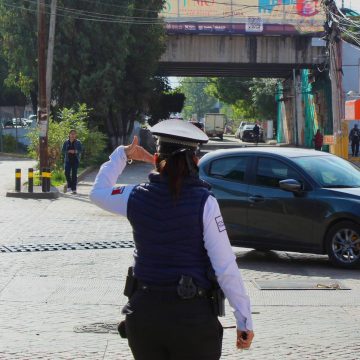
(215, 125)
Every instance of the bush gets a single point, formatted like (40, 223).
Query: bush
(57, 177)
(10, 145)
(93, 141)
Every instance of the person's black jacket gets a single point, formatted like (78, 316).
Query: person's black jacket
(354, 135)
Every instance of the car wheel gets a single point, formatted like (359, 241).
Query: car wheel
(343, 244)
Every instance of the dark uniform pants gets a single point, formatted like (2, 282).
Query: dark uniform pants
(355, 147)
(71, 168)
(161, 326)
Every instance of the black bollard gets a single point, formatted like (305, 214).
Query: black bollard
(30, 180)
(18, 180)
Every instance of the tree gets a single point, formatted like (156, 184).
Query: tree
(105, 55)
(9, 95)
(249, 97)
(164, 101)
(19, 46)
(197, 101)
(263, 97)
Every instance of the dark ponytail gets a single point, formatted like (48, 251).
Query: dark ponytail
(176, 168)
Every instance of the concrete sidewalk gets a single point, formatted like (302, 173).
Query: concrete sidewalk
(65, 303)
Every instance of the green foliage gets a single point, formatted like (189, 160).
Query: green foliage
(108, 64)
(19, 44)
(164, 102)
(10, 95)
(93, 141)
(197, 101)
(263, 97)
(249, 98)
(57, 177)
(9, 143)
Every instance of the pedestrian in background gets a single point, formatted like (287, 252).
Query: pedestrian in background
(182, 251)
(71, 151)
(318, 140)
(256, 130)
(354, 137)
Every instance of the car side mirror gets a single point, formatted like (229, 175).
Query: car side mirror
(290, 185)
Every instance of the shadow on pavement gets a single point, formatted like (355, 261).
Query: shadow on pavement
(76, 197)
(292, 264)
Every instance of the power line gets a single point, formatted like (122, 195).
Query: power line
(111, 18)
(95, 19)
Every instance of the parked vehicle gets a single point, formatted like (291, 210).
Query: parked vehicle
(15, 122)
(215, 125)
(288, 199)
(240, 128)
(247, 133)
(31, 121)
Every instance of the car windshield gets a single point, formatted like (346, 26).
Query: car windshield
(330, 171)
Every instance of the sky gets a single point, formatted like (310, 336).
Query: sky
(351, 4)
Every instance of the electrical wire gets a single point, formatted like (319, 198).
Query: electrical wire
(123, 21)
(111, 18)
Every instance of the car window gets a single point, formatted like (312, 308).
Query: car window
(270, 171)
(232, 168)
(330, 171)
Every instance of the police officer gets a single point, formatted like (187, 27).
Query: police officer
(354, 137)
(180, 238)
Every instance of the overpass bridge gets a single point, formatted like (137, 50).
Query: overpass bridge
(250, 38)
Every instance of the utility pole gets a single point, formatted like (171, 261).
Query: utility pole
(50, 53)
(42, 107)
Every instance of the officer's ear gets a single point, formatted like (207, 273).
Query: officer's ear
(195, 159)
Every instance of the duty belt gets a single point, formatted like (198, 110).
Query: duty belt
(174, 289)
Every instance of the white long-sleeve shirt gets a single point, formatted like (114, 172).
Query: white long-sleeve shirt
(114, 198)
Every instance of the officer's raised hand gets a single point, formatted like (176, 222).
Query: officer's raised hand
(136, 152)
(244, 339)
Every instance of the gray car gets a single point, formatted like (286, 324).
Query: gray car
(288, 199)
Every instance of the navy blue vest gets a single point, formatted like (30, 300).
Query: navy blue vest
(168, 235)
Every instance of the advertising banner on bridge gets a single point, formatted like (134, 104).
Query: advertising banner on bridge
(245, 16)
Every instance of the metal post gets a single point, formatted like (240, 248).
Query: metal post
(42, 109)
(30, 180)
(18, 180)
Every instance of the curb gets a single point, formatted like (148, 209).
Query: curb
(54, 192)
(14, 155)
(37, 194)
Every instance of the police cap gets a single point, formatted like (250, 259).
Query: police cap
(178, 134)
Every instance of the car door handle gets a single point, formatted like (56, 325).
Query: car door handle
(256, 198)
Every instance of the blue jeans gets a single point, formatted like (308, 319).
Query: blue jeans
(71, 174)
